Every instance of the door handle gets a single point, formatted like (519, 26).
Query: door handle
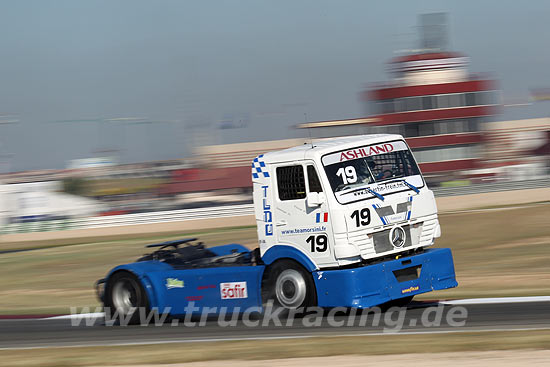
(281, 223)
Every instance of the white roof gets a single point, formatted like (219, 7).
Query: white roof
(329, 145)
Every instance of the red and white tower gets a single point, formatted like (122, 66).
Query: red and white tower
(436, 104)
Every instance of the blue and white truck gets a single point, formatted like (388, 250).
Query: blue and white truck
(341, 222)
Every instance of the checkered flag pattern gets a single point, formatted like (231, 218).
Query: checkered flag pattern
(258, 167)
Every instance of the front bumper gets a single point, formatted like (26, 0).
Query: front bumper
(376, 284)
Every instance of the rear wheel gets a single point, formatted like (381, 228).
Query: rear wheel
(125, 296)
(290, 286)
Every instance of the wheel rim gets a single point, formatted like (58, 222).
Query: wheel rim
(290, 288)
(125, 296)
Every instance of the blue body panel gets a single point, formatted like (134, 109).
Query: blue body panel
(202, 286)
(375, 284)
(359, 287)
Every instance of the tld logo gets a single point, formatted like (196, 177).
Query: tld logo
(268, 216)
(233, 290)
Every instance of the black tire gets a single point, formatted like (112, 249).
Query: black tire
(124, 292)
(288, 285)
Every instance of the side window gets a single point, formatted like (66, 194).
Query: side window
(291, 182)
(313, 180)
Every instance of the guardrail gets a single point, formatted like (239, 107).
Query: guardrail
(230, 210)
(130, 219)
(491, 187)
(167, 216)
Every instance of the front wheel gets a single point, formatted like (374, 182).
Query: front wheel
(290, 286)
(125, 298)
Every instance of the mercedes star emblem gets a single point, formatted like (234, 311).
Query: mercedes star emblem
(397, 237)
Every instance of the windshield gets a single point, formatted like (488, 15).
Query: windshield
(362, 166)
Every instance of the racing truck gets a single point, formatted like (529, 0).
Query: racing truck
(341, 222)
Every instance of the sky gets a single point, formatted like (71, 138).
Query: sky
(149, 80)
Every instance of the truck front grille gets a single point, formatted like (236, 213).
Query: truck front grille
(377, 244)
(427, 234)
(382, 241)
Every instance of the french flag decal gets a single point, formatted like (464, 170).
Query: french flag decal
(321, 218)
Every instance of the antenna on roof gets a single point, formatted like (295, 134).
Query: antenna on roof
(308, 130)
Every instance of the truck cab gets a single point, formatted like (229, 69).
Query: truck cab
(344, 201)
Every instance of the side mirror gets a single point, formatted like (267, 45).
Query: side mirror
(315, 199)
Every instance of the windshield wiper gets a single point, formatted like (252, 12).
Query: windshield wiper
(411, 186)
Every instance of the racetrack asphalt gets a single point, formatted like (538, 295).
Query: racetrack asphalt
(48, 333)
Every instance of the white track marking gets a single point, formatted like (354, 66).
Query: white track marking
(76, 316)
(470, 301)
(488, 301)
